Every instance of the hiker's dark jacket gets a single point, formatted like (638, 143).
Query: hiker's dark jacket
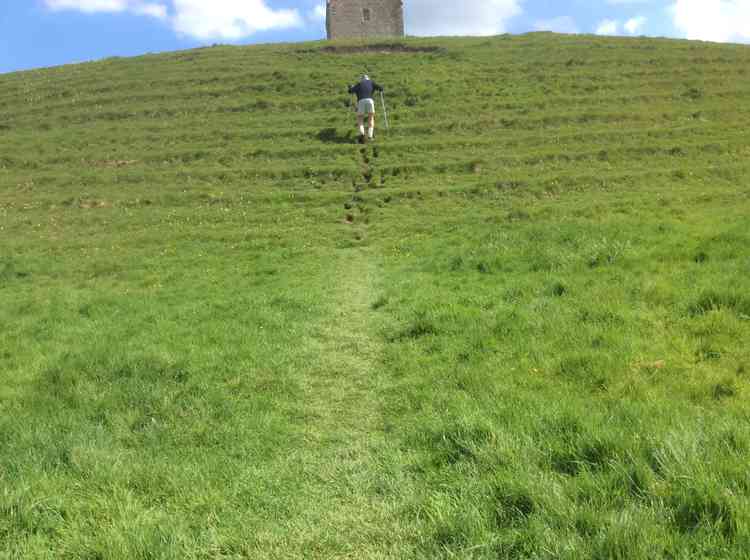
(365, 89)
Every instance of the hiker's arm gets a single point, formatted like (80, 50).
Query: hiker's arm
(352, 89)
(377, 87)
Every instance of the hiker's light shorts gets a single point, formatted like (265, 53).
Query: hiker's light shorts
(366, 107)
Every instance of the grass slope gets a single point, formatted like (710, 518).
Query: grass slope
(515, 327)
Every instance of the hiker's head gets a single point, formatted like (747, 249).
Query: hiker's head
(365, 77)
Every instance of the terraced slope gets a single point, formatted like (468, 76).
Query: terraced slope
(513, 327)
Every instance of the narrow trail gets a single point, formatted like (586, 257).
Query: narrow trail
(345, 422)
(357, 211)
(347, 501)
(347, 451)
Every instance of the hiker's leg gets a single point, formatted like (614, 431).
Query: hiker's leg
(371, 125)
(361, 124)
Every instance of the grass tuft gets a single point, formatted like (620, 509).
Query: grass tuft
(711, 300)
(700, 508)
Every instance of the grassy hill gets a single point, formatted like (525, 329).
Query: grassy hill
(515, 326)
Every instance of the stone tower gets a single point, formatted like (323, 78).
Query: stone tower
(364, 18)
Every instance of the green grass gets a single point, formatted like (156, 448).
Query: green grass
(515, 327)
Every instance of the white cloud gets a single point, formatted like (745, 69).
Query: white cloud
(607, 27)
(158, 11)
(563, 24)
(201, 19)
(138, 7)
(467, 17)
(318, 13)
(229, 19)
(89, 6)
(712, 20)
(633, 25)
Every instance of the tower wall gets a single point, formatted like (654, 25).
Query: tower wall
(364, 18)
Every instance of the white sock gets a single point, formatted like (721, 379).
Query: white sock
(361, 130)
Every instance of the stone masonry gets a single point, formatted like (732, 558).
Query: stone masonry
(364, 18)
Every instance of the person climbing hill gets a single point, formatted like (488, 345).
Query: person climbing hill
(364, 91)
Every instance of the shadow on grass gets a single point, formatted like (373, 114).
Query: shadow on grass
(333, 136)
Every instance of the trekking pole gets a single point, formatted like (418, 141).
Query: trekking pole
(385, 112)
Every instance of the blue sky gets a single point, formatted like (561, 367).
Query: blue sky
(36, 33)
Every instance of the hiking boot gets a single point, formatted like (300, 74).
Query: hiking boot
(361, 139)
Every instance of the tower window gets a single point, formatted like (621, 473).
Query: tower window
(366, 14)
